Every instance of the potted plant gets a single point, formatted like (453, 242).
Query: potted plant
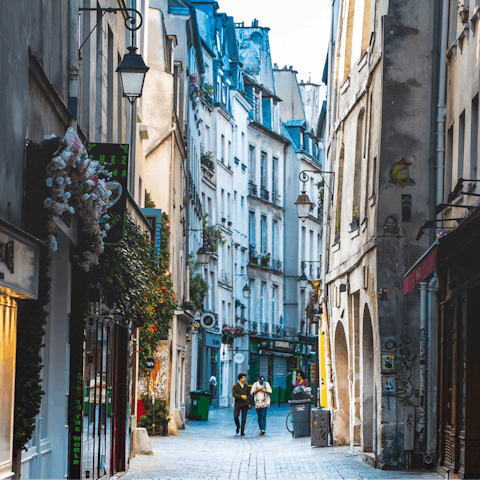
(159, 411)
(355, 216)
(266, 260)
(462, 10)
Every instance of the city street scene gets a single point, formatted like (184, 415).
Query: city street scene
(238, 239)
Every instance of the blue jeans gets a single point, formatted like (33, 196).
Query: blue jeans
(262, 418)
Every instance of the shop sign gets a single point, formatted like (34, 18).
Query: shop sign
(420, 272)
(115, 157)
(76, 431)
(279, 344)
(213, 341)
(19, 259)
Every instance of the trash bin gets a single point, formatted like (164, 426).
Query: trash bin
(320, 427)
(300, 407)
(301, 417)
(200, 404)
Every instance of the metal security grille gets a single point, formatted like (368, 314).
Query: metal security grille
(264, 365)
(279, 372)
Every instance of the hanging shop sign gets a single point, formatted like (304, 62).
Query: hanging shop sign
(115, 158)
(150, 363)
(154, 217)
(19, 257)
(239, 358)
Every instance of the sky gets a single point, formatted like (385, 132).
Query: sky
(299, 31)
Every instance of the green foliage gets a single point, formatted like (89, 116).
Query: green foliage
(162, 415)
(137, 282)
(198, 290)
(338, 221)
(355, 210)
(149, 203)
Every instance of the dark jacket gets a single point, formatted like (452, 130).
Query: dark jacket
(238, 391)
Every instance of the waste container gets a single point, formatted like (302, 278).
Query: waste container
(200, 404)
(300, 408)
(320, 427)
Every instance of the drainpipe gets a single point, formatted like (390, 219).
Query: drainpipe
(423, 361)
(73, 61)
(432, 333)
(441, 109)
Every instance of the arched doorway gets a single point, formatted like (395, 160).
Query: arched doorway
(368, 384)
(341, 428)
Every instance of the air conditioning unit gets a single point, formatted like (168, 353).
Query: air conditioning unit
(208, 320)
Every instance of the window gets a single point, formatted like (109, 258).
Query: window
(207, 138)
(302, 244)
(229, 159)
(274, 304)
(461, 145)
(251, 164)
(263, 171)
(251, 229)
(222, 147)
(275, 175)
(448, 162)
(229, 207)
(222, 200)
(251, 302)
(275, 236)
(242, 154)
(263, 302)
(263, 232)
(474, 138)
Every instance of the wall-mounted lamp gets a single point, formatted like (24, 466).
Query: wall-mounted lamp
(303, 203)
(246, 289)
(303, 281)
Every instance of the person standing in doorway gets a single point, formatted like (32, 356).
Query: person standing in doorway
(261, 391)
(301, 380)
(242, 402)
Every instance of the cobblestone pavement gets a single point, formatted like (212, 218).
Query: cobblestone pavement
(211, 450)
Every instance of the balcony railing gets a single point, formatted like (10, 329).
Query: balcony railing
(264, 194)
(277, 265)
(252, 189)
(265, 328)
(254, 327)
(276, 198)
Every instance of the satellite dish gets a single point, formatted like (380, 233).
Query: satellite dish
(208, 320)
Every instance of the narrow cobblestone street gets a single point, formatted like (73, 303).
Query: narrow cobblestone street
(211, 450)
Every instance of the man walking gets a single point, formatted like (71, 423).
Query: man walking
(261, 391)
(242, 402)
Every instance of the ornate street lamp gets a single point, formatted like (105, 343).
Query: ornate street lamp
(303, 203)
(246, 292)
(203, 255)
(303, 281)
(132, 72)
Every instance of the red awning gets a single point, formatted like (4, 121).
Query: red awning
(424, 267)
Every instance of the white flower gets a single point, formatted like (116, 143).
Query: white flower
(60, 180)
(90, 183)
(86, 197)
(59, 163)
(49, 181)
(52, 243)
(107, 227)
(68, 181)
(47, 202)
(67, 195)
(71, 210)
(49, 137)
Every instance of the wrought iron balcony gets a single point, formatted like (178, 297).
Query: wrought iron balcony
(252, 189)
(264, 194)
(277, 265)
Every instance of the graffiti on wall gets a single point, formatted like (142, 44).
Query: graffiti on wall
(399, 174)
(404, 362)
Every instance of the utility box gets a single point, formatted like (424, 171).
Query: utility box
(320, 428)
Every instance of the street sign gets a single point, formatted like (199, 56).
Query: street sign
(150, 363)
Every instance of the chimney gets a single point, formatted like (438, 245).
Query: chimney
(285, 67)
(291, 68)
(275, 66)
(255, 23)
(301, 82)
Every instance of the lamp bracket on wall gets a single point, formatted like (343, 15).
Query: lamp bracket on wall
(130, 20)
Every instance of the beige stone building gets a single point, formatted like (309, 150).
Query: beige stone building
(378, 145)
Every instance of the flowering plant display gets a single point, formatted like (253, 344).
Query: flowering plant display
(78, 185)
(212, 234)
(198, 86)
(268, 256)
(233, 332)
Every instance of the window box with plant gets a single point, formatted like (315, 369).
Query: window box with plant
(266, 260)
(206, 159)
(212, 235)
(338, 222)
(355, 216)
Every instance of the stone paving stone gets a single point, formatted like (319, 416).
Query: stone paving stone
(211, 451)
